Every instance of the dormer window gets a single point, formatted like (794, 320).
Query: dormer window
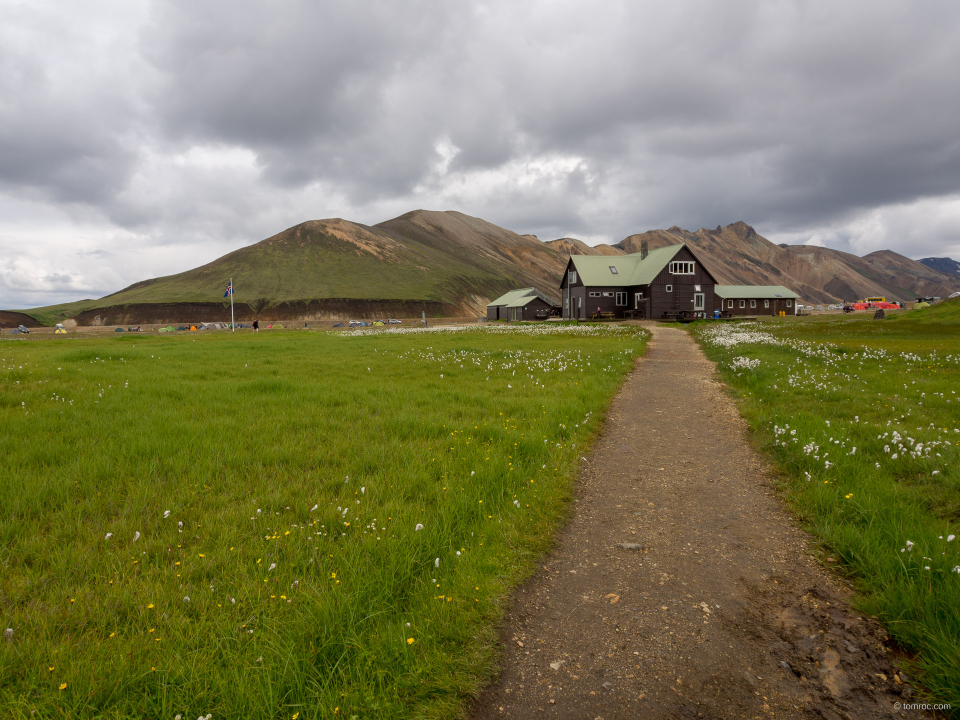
(613, 270)
(681, 268)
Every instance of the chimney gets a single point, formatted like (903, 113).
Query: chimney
(643, 249)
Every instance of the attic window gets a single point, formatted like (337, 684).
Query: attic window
(681, 268)
(572, 276)
(613, 269)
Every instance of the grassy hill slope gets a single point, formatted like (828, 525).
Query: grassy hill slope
(445, 261)
(449, 263)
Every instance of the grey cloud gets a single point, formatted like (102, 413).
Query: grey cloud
(792, 116)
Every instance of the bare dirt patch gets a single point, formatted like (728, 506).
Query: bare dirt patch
(681, 588)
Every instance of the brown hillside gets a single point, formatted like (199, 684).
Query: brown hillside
(452, 263)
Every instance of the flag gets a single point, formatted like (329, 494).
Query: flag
(229, 290)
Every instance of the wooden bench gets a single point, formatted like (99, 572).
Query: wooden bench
(608, 315)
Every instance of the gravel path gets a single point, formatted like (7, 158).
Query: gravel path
(681, 588)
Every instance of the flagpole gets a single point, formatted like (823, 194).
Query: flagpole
(233, 325)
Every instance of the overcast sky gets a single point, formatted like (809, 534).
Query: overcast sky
(140, 139)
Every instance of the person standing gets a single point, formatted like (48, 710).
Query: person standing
(256, 326)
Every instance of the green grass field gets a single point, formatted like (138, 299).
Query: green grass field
(281, 525)
(861, 417)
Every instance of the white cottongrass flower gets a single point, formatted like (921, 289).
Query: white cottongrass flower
(517, 503)
(166, 514)
(136, 536)
(951, 538)
(314, 508)
(436, 563)
(458, 553)
(956, 569)
(186, 598)
(926, 567)
(909, 546)
(180, 526)
(418, 527)
(108, 536)
(272, 566)
(8, 634)
(233, 601)
(472, 473)
(363, 490)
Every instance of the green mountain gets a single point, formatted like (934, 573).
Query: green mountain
(441, 263)
(451, 264)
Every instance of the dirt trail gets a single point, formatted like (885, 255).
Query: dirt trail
(681, 588)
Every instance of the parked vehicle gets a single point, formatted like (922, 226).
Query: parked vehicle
(338, 324)
(357, 323)
(393, 321)
(24, 329)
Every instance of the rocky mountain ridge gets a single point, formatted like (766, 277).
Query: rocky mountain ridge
(449, 263)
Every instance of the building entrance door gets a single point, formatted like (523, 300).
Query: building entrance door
(698, 301)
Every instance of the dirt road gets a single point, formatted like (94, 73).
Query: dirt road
(681, 588)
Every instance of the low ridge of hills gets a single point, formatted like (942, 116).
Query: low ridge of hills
(451, 264)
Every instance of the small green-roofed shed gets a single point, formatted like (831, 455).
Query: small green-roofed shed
(522, 304)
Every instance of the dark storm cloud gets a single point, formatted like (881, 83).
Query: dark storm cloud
(191, 124)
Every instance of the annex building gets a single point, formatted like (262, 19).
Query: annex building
(668, 282)
(734, 300)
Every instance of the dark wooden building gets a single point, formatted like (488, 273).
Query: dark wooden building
(734, 300)
(523, 304)
(668, 282)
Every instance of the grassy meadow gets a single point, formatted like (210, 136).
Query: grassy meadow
(861, 416)
(283, 525)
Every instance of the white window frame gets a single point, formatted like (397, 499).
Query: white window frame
(682, 267)
(621, 299)
(743, 304)
(789, 303)
(753, 303)
(608, 294)
(668, 288)
(571, 277)
(729, 303)
(766, 303)
(594, 294)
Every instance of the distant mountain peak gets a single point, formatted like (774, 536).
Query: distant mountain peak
(943, 264)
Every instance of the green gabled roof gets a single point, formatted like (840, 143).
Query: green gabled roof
(514, 295)
(655, 261)
(521, 302)
(754, 292)
(631, 270)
